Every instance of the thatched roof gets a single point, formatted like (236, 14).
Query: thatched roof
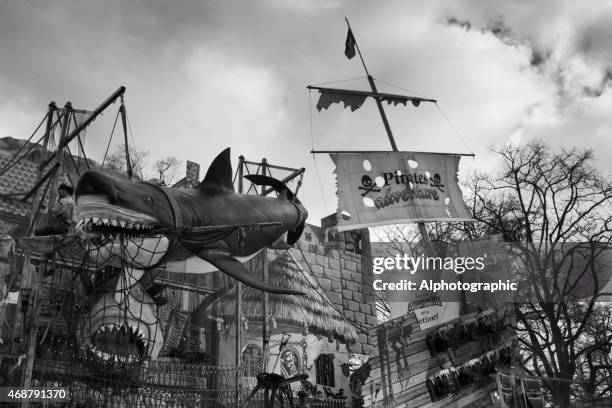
(314, 310)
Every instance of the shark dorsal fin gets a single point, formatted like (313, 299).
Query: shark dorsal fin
(219, 174)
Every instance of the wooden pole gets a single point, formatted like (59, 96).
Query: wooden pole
(39, 177)
(239, 298)
(30, 278)
(128, 161)
(111, 99)
(384, 151)
(59, 157)
(266, 300)
(52, 109)
(15, 268)
(427, 246)
(383, 115)
(381, 109)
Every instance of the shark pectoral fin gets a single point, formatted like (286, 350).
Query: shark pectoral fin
(229, 265)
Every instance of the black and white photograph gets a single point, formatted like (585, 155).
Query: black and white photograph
(306, 204)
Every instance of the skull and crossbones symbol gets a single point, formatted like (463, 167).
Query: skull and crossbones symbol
(435, 181)
(367, 185)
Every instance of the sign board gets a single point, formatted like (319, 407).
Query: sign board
(379, 188)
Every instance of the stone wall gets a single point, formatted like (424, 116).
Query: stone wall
(346, 277)
(192, 176)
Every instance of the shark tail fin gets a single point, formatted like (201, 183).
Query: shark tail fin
(277, 185)
(294, 235)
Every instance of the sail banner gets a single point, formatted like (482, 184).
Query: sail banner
(354, 99)
(379, 188)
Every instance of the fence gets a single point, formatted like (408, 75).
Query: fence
(534, 392)
(91, 382)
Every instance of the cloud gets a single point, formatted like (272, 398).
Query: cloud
(202, 76)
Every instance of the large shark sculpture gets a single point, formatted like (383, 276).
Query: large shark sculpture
(158, 225)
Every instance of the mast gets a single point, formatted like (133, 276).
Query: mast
(423, 231)
(381, 109)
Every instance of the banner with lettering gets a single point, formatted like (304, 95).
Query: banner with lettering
(379, 188)
(432, 308)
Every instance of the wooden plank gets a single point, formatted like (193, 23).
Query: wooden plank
(419, 352)
(412, 391)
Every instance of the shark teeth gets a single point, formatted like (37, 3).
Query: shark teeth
(132, 334)
(114, 358)
(113, 227)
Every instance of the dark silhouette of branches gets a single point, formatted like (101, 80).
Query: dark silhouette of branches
(555, 209)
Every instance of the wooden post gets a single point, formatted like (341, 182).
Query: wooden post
(29, 278)
(51, 111)
(37, 196)
(383, 115)
(264, 327)
(239, 299)
(128, 161)
(110, 100)
(500, 392)
(427, 246)
(59, 157)
(32, 280)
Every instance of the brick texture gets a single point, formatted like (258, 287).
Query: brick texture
(346, 278)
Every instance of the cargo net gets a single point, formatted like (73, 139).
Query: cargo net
(112, 335)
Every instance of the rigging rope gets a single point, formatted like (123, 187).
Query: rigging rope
(439, 109)
(453, 127)
(76, 167)
(403, 89)
(110, 139)
(314, 159)
(81, 144)
(340, 81)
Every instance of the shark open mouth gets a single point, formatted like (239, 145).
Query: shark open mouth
(113, 229)
(95, 214)
(119, 343)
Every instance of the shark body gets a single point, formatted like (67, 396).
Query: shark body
(211, 221)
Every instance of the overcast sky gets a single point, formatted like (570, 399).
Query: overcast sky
(205, 75)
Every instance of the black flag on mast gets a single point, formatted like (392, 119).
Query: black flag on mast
(349, 46)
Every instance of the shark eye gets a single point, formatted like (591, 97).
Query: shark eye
(148, 199)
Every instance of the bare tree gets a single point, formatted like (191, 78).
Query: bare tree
(166, 168)
(555, 207)
(117, 160)
(406, 239)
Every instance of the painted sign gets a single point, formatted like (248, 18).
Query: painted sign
(379, 188)
(431, 308)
